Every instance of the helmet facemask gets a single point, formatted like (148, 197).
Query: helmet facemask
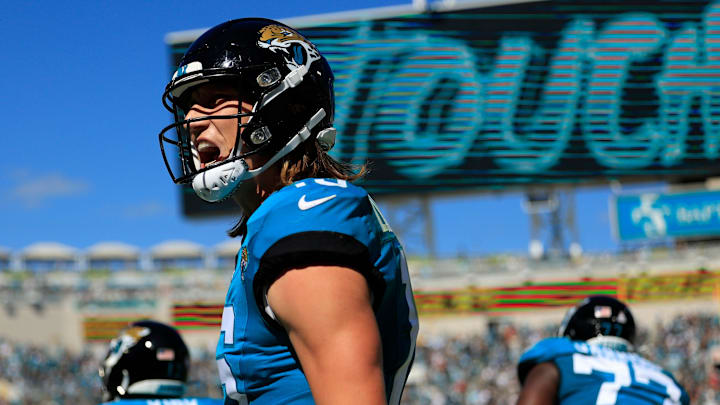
(218, 180)
(176, 138)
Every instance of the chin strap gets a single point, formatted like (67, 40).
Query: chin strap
(219, 182)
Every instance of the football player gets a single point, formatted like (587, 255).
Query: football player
(147, 364)
(320, 307)
(593, 362)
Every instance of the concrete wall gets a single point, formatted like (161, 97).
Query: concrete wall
(57, 324)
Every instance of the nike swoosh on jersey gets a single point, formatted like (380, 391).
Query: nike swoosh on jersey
(306, 205)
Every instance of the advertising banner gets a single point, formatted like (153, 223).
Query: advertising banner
(657, 216)
(498, 301)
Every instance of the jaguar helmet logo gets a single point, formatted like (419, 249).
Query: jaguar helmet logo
(126, 340)
(298, 51)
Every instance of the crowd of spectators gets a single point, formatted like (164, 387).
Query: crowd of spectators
(47, 375)
(474, 369)
(480, 369)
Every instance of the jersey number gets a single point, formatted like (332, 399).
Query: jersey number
(621, 370)
(226, 377)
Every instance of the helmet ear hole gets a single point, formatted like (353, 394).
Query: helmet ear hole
(269, 77)
(260, 136)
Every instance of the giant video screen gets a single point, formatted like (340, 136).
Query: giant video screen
(547, 92)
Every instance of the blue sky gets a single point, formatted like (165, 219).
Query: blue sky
(81, 110)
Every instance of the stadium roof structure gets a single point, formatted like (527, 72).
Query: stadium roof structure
(177, 249)
(112, 251)
(49, 251)
(352, 15)
(414, 7)
(228, 248)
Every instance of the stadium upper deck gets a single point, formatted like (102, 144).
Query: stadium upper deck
(111, 258)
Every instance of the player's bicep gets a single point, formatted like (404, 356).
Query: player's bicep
(540, 386)
(327, 313)
(318, 302)
(315, 249)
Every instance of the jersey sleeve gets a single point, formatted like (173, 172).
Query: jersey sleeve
(544, 351)
(316, 222)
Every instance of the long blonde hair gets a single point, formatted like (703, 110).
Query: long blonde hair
(312, 161)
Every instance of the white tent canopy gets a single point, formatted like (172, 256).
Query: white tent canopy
(49, 251)
(228, 248)
(177, 249)
(112, 251)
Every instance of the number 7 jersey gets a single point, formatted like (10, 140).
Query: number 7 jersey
(311, 222)
(595, 374)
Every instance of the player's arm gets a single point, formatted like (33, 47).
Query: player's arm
(328, 315)
(541, 385)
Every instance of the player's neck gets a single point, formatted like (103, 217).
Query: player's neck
(249, 195)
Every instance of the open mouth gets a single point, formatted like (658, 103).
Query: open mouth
(208, 153)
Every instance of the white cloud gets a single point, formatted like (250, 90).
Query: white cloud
(33, 189)
(146, 209)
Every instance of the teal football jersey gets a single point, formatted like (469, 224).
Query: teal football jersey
(595, 374)
(311, 222)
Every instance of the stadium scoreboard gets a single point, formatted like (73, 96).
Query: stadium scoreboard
(513, 95)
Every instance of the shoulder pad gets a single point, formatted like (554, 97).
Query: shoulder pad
(308, 194)
(312, 205)
(547, 350)
(309, 202)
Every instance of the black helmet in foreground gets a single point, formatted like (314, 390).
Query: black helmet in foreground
(599, 319)
(146, 360)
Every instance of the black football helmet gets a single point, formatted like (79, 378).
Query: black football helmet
(273, 67)
(600, 319)
(147, 360)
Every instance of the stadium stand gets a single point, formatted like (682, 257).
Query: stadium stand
(4, 259)
(59, 306)
(226, 252)
(55, 256)
(449, 370)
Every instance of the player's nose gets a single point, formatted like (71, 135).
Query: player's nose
(197, 124)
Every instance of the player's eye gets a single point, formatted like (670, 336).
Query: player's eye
(183, 102)
(223, 96)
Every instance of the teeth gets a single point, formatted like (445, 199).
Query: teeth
(207, 152)
(204, 146)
